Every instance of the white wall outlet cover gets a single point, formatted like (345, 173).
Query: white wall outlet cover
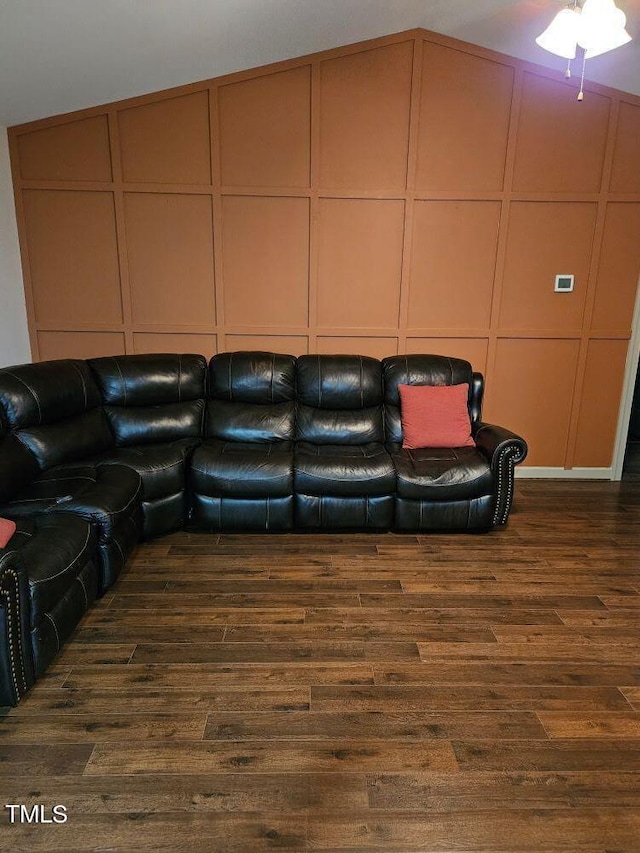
(564, 283)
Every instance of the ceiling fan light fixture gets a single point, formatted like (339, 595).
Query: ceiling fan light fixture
(602, 27)
(597, 26)
(561, 36)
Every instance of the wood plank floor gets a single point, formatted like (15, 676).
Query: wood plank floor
(351, 693)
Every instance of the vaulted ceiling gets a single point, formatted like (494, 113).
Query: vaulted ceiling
(62, 55)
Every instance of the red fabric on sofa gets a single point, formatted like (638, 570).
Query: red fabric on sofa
(435, 416)
(7, 529)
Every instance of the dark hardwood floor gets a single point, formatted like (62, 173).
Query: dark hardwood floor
(351, 693)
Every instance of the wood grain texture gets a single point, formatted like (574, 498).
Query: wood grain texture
(351, 693)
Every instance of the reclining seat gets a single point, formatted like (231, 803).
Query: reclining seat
(48, 580)
(449, 488)
(154, 405)
(344, 477)
(242, 476)
(52, 410)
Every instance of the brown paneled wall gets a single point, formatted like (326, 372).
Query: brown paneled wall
(409, 194)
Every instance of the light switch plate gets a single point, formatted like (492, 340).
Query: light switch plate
(564, 283)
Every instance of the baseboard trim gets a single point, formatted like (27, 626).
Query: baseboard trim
(534, 473)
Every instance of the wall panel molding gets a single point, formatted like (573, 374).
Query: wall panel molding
(408, 193)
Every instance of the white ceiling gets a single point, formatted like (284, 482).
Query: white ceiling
(62, 55)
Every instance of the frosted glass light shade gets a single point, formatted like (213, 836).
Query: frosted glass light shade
(561, 36)
(602, 27)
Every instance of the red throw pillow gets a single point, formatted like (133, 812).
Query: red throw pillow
(7, 529)
(435, 416)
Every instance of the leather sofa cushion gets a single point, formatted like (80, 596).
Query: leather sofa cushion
(133, 425)
(149, 380)
(68, 440)
(53, 407)
(330, 512)
(339, 381)
(46, 392)
(54, 549)
(471, 514)
(228, 513)
(442, 474)
(59, 622)
(250, 422)
(339, 400)
(106, 496)
(252, 377)
(161, 466)
(418, 370)
(165, 514)
(243, 470)
(252, 397)
(343, 470)
(114, 549)
(339, 427)
(17, 467)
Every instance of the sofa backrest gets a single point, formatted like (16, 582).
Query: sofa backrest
(252, 397)
(53, 409)
(63, 411)
(17, 465)
(339, 399)
(426, 370)
(152, 398)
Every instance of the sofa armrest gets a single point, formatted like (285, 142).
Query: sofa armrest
(504, 450)
(495, 440)
(16, 667)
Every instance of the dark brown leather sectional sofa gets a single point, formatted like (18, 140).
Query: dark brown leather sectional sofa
(96, 454)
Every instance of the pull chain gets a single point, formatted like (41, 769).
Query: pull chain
(584, 62)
